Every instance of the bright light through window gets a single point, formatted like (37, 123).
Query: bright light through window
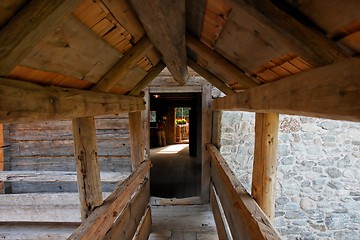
(173, 149)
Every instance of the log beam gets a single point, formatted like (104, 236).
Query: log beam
(331, 91)
(217, 64)
(264, 178)
(245, 218)
(87, 165)
(164, 23)
(308, 43)
(28, 27)
(120, 69)
(211, 78)
(27, 102)
(102, 218)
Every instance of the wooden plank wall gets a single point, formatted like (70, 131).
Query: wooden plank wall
(48, 146)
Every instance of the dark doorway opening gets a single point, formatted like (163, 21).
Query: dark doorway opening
(176, 171)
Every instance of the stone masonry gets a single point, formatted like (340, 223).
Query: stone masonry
(318, 191)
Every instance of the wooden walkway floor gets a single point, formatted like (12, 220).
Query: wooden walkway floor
(174, 174)
(182, 222)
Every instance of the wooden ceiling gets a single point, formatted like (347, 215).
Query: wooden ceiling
(119, 46)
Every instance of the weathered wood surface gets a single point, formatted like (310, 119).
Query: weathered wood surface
(264, 177)
(206, 125)
(101, 220)
(217, 64)
(127, 222)
(119, 71)
(246, 220)
(137, 143)
(2, 160)
(8, 9)
(147, 79)
(64, 51)
(125, 15)
(194, 16)
(29, 26)
(144, 227)
(183, 222)
(56, 176)
(36, 231)
(211, 78)
(168, 36)
(331, 92)
(87, 165)
(308, 43)
(218, 215)
(50, 103)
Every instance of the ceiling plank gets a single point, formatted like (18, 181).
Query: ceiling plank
(147, 79)
(28, 102)
(332, 91)
(29, 26)
(211, 78)
(119, 71)
(164, 22)
(125, 15)
(308, 43)
(217, 64)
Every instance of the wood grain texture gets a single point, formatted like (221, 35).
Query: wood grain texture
(164, 23)
(206, 124)
(264, 177)
(144, 228)
(329, 92)
(8, 8)
(25, 102)
(194, 16)
(29, 26)
(136, 139)
(217, 64)
(211, 78)
(101, 220)
(87, 165)
(218, 216)
(308, 43)
(125, 15)
(126, 224)
(120, 69)
(245, 218)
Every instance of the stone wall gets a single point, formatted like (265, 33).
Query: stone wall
(318, 191)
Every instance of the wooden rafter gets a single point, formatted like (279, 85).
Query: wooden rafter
(211, 78)
(28, 27)
(119, 71)
(27, 102)
(308, 43)
(218, 65)
(331, 92)
(164, 22)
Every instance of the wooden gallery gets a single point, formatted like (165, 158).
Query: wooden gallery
(84, 84)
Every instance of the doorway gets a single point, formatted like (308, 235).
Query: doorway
(176, 171)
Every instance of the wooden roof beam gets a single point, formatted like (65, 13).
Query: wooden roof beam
(218, 65)
(27, 102)
(164, 23)
(120, 69)
(331, 91)
(28, 27)
(211, 78)
(306, 42)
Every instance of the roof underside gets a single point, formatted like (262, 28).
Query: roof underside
(242, 43)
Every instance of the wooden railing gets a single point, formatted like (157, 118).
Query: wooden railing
(233, 207)
(122, 211)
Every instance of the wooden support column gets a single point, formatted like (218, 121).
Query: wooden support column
(2, 162)
(136, 139)
(216, 128)
(205, 139)
(265, 161)
(87, 166)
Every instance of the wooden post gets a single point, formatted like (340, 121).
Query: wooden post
(2, 186)
(145, 116)
(87, 166)
(216, 128)
(265, 161)
(205, 139)
(136, 139)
